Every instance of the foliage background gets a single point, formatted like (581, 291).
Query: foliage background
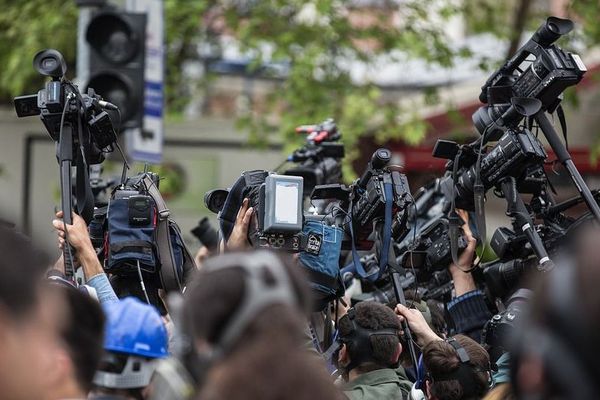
(318, 85)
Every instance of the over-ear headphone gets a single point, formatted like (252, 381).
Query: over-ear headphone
(358, 340)
(464, 374)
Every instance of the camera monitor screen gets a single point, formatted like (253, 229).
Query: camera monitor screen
(283, 203)
(286, 202)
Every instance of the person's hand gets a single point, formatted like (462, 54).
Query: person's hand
(79, 238)
(465, 260)
(238, 240)
(202, 254)
(422, 333)
(463, 281)
(77, 233)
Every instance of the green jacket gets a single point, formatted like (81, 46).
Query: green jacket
(381, 384)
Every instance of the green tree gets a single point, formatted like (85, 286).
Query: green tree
(316, 37)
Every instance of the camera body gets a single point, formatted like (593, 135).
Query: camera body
(517, 151)
(539, 70)
(497, 332)
(429, 250)
(369, 199)
(318, 162)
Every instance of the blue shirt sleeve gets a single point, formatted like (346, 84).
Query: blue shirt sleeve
(469, 313)
(104, 290)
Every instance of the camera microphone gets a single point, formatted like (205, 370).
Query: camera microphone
(107, 105)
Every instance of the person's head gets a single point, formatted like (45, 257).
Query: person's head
(228, 283)
(457, 369)
(245, 313)
(555, 352)
(135, 337)
(30, 319)
(78, 356)
(369, 337)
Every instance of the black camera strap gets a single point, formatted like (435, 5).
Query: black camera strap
(560, 113)
(453, 218)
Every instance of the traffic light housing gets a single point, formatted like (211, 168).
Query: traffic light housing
(116, 62)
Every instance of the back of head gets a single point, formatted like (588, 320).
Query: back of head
(22, 267)
(83, 334)
(370, 332)
(238, 308)
(215, 299)
(135, 336)
(560, 331)
(451, 378)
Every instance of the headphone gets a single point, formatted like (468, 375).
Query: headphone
(560, 341)
(358, 341)
(464, 374)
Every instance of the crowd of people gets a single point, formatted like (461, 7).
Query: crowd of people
(241, 331)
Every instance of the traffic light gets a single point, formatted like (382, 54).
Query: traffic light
(116, 62)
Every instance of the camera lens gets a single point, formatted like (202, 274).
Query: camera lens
(49, 63)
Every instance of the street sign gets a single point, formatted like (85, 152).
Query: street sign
(146, 144)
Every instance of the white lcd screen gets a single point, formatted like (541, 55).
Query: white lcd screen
(286, 202)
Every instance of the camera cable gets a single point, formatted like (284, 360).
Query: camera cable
(139, 270)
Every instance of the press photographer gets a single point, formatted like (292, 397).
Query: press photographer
(369, 353)
(452, 369)
(252, 316)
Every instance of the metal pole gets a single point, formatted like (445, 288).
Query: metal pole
(565, 158)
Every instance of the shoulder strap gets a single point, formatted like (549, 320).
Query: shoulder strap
(169, 277)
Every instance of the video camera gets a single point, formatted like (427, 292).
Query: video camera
(277, 201)
(539, 70)
(81, 128)
(319, 160)
(518, 154)
(426, 247)
(61, 107)
(206, 234)
(363, 203)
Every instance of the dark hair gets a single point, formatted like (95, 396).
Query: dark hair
(441, 358)
(375, 316)
(252, 369)
(130, 285)
(21, 269)
(83, 334)
(212, 298)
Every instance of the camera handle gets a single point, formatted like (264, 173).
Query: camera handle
(516, 209)
(565, 158)
(65, 160)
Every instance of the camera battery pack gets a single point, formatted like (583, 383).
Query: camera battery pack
(140, 210)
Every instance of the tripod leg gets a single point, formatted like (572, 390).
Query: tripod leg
(516, 209)
(565, 158)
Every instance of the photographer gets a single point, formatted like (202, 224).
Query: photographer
(468, 311)
(31, 318)
(555, 351)
(370, 353)
(85, 254)
(245, 314)
(456, 368)
(78, 356)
